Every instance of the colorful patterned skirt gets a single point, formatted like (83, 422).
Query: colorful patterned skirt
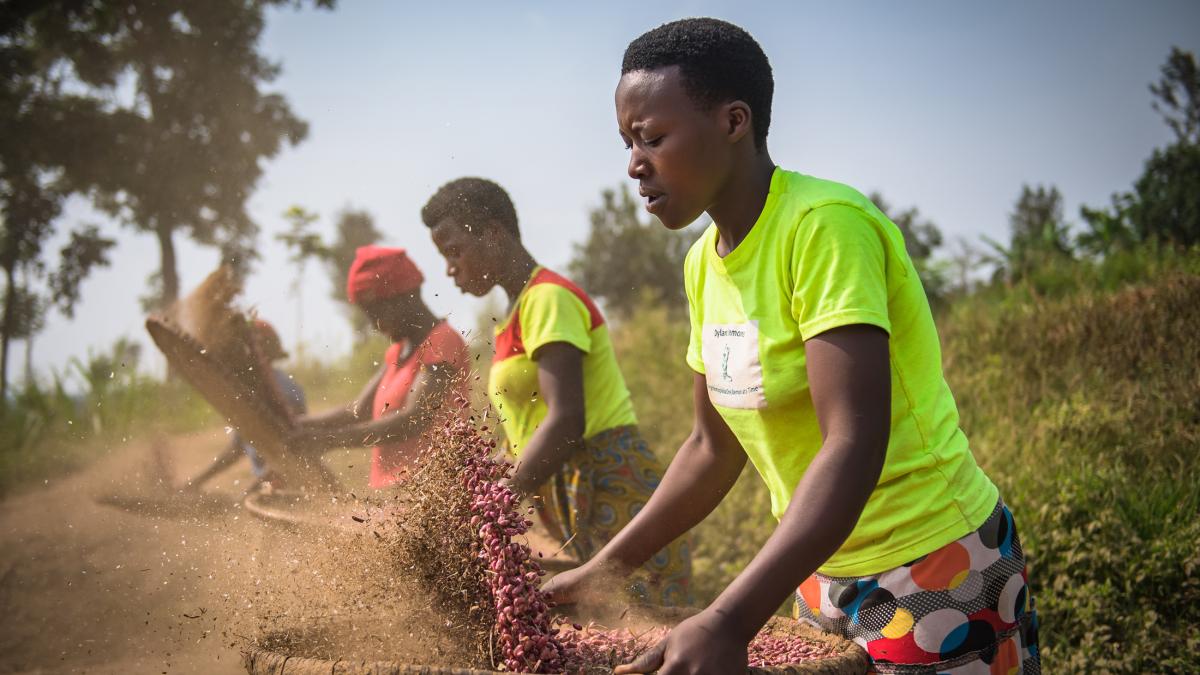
(597, 492)
(964, 609)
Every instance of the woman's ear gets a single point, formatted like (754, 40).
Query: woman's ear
(738, 118)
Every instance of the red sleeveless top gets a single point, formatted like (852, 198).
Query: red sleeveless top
(443, 346)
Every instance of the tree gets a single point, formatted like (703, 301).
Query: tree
(1037, 234)
(304, 244)
(963, 260)
(1178, 96)
(921, 238)
(1164, 205)
(1166, 198)
(35, 179)
(185, 152)
(355, 228)
(625, 257)
(25, 307)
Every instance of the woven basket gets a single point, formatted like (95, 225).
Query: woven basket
(250, 401)
(846, 659)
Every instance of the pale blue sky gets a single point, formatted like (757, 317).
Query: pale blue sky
(948, 106)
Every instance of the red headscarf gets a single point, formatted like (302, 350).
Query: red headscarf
(379, 272)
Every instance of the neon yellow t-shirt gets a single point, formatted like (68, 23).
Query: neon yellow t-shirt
(552, 309)
(820, 256)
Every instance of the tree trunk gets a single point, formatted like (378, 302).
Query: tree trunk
(6, 329)
(169, 275)
(169, 270)
(29, 360)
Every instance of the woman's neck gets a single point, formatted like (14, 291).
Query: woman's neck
(417, 326)
(515, 273)
(741, 202)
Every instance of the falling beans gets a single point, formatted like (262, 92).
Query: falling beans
(464, 542)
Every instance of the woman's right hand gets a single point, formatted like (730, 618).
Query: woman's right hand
(564, 587)
(590, 583)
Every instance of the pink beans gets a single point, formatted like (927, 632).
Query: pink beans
(466, 544)
(524, 633)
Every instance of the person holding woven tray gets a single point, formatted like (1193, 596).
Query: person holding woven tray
(815, 357)
(423, 370)
(556, 386)
(271, 347)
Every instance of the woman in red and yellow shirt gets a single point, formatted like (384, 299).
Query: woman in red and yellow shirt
(556, 385)
(422, 371)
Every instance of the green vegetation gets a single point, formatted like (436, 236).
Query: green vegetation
(1082, 408)
(47, 430)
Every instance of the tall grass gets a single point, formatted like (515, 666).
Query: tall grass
(50, 428)
(1084, 409)
(1079, 390)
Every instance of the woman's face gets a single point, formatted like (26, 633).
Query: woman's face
(679, 153)
(470, 256)
(393, 316)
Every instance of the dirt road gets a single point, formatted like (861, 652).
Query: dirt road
(109, 570)
(164, 586)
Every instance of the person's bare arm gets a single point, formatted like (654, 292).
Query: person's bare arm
(850, 382)
(428, 393)
(702, 473)
(560, 382)
(343, 416)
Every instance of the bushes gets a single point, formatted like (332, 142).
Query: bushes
(1083, 410)
(1080, 400)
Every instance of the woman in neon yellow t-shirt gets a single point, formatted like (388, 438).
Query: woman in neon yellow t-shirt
(556, 385)
(816, 358)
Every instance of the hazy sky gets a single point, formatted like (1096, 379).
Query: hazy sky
(947, 106)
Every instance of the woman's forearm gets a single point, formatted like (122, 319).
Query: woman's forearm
(558, 437)
(823, 511)
(394, 428)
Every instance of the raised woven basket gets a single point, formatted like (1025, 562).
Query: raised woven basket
(250, 401)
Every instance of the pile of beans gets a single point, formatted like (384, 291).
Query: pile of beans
(592, 647)
(774, 650)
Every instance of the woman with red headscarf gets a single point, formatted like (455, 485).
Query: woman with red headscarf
(422, 370)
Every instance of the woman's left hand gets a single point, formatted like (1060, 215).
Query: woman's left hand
(701, 644)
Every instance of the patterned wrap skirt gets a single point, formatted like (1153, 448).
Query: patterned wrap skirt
(597, 492)
(964, 609)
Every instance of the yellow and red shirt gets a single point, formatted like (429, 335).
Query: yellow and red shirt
(442, 347)
(552, 309)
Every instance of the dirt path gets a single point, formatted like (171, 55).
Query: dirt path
(162, 582)
(88, 587)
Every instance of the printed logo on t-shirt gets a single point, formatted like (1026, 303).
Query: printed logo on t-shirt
(731, 365)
